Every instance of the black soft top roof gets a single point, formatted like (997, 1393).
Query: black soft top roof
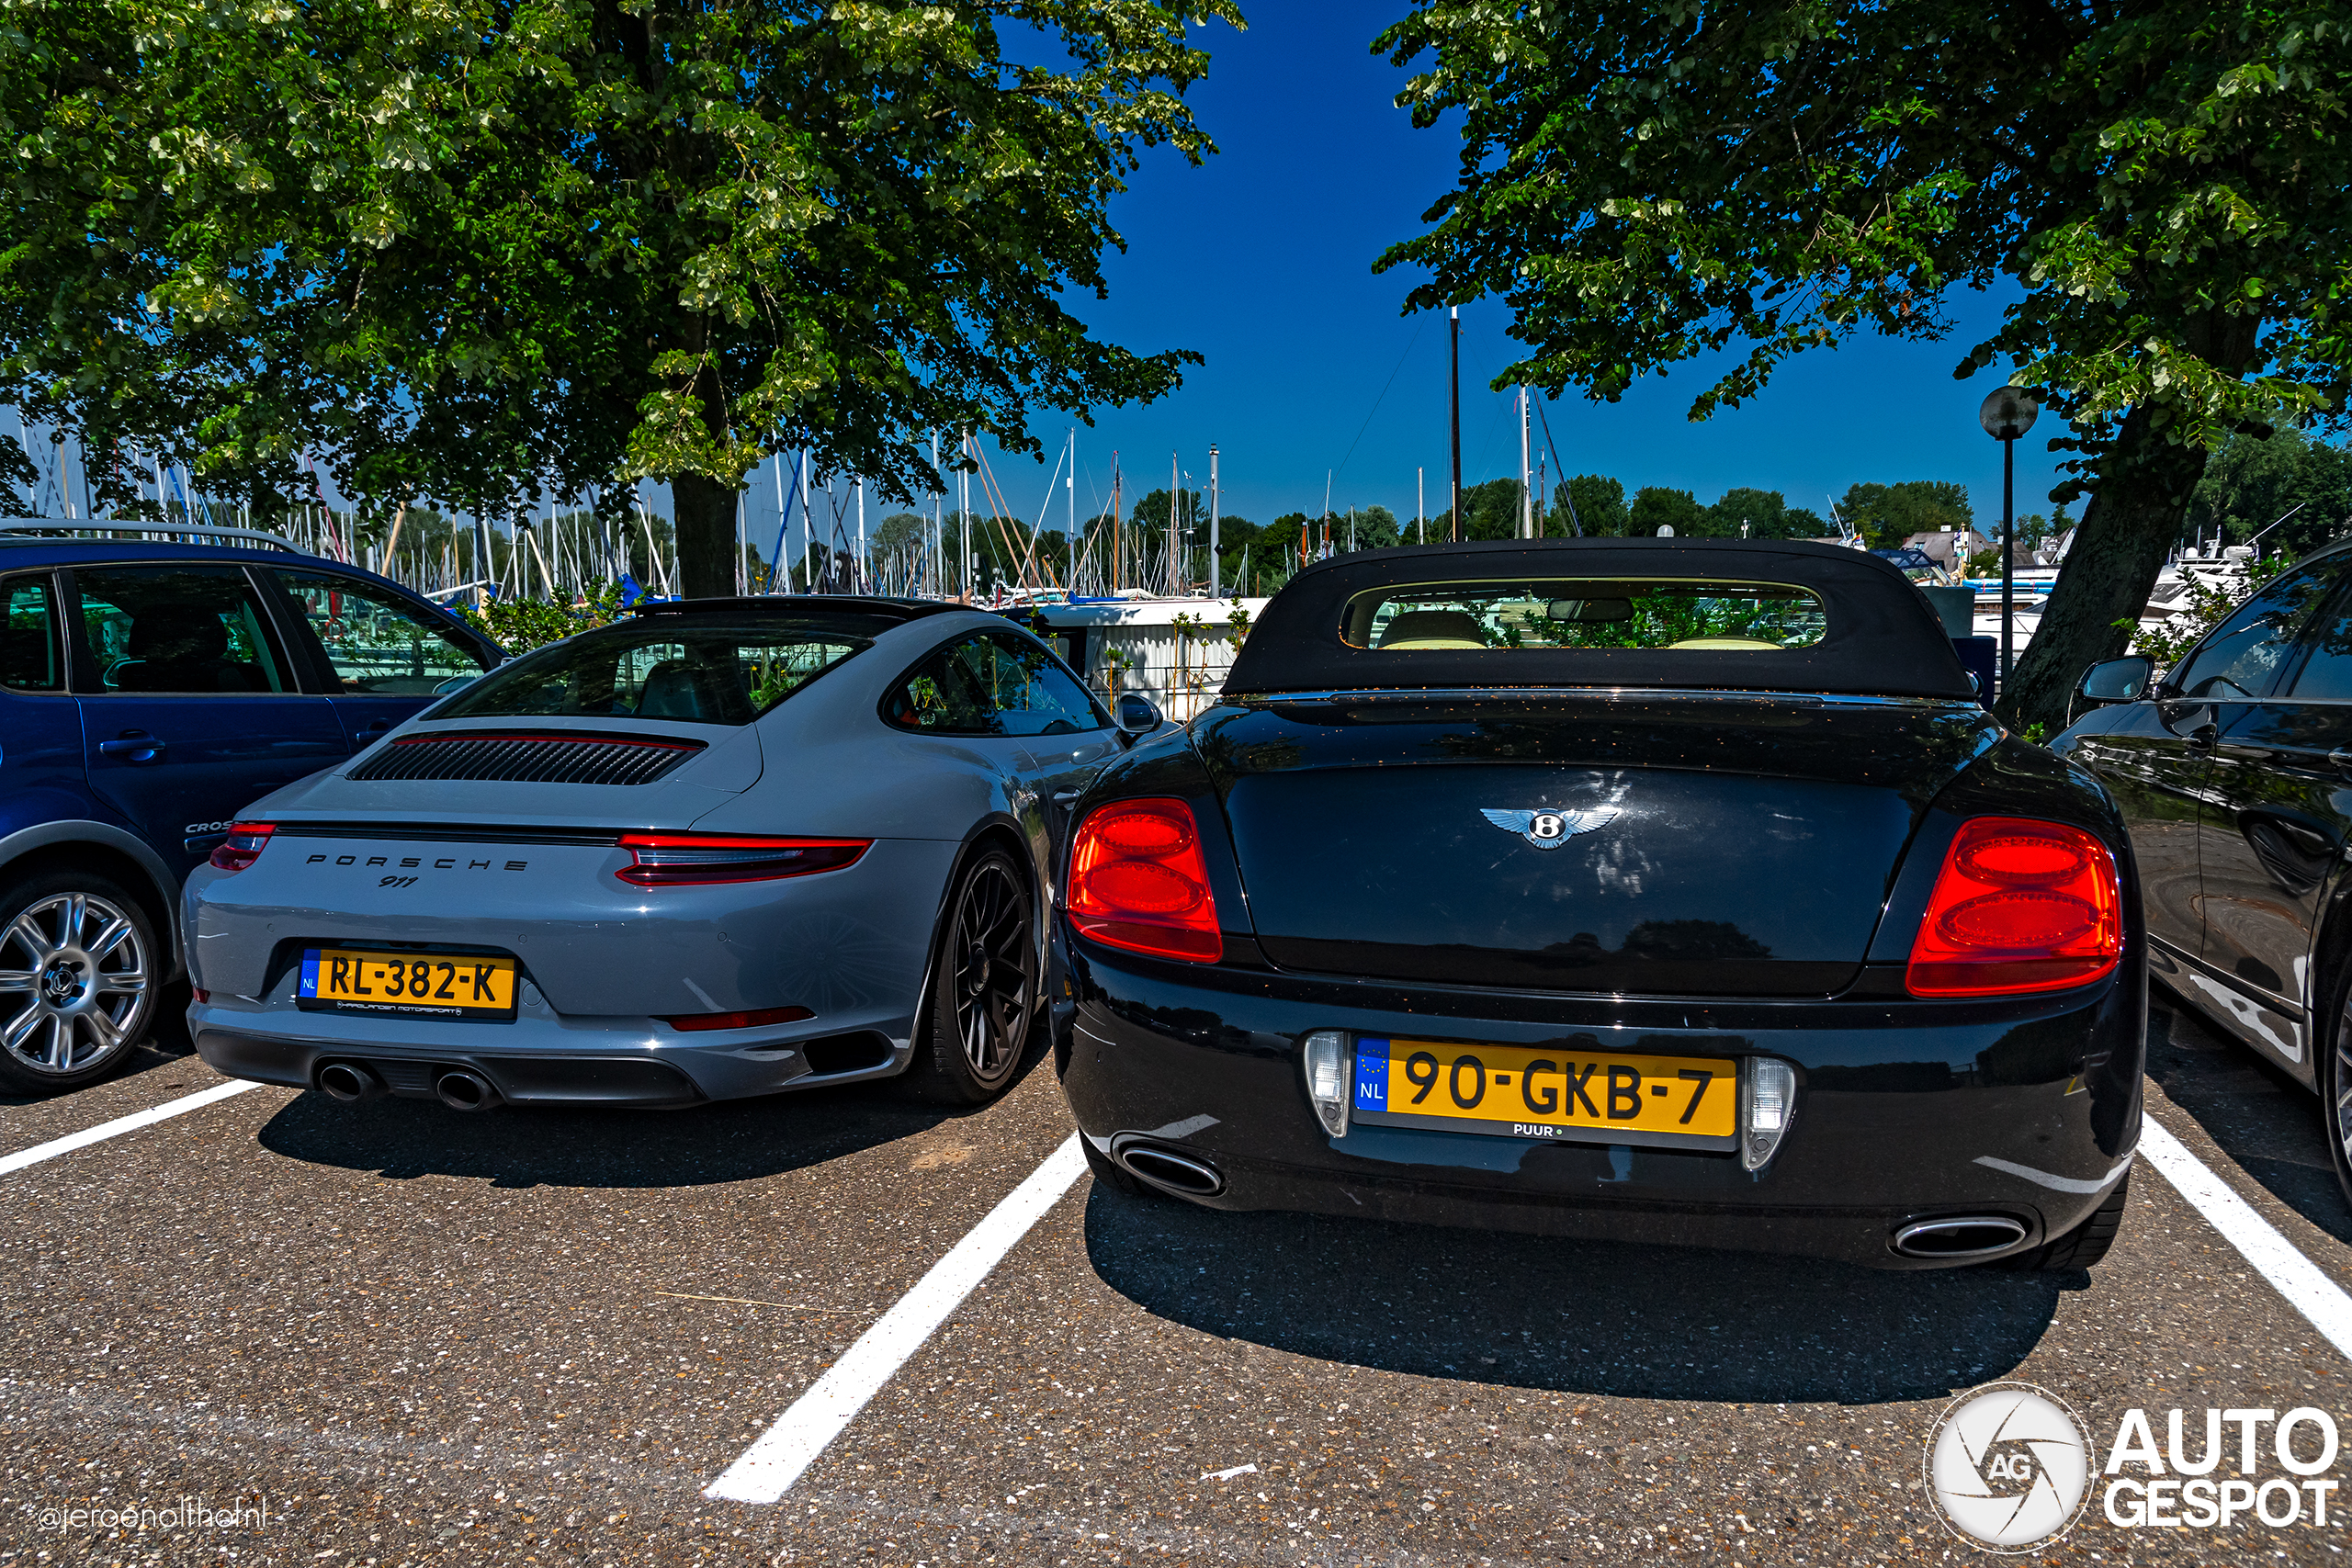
(1883, 638)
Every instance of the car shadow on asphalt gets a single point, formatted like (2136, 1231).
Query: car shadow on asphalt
(145, 1058)
(735, 1140)
(1566, 1316)
(2256, 1115)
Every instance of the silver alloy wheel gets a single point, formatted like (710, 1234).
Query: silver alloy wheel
(73, 981)
(992, 976)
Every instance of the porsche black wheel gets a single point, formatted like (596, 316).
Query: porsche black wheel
(984, 988)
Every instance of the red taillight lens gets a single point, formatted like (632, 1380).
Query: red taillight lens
(244, 845)
(1138, 881)
(693, 859)
(2020, 906)
(696, 1021)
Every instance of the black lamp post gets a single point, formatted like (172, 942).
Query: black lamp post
(2006, 415)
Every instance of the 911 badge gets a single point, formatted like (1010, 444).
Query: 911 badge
(1549, 830)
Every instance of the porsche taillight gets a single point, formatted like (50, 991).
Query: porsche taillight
(695, 859)
(242, 846)
(1138, 881)
(2020, 906)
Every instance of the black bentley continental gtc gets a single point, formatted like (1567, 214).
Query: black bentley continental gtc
(1658, 890)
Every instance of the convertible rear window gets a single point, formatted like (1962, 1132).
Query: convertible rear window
(701, 670)
(1693, 614)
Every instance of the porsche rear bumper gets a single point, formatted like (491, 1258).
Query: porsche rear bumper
(1905, 1110)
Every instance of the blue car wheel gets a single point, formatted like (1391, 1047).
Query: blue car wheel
(79, 975)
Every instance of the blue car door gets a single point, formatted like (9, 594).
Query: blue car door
(380, 658)
(41, 777)
(189, 707)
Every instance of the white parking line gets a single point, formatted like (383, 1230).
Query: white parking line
(121, 1124)
(770, 1466)
(2296, 1278)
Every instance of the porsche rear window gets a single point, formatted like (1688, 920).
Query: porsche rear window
(1659, 613)
(702, 671)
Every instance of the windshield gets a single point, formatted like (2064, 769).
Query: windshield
(1589, 612)
(720, 670)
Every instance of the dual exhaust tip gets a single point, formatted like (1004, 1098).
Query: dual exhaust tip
(460, 1089)
(1172, 1170)
(1954, 1236)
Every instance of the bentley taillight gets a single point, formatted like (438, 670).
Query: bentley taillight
(1138, 881)
(242, 846)
(2020, 906)
(694, 860)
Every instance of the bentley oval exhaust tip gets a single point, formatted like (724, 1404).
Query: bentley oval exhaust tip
(349, 1083)
(462, 1090)
(1176, 1172)
(1960, 1235)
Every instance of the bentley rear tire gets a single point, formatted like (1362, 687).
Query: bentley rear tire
(79, 978)
(2335, 1080)
(975, 1025)
(2086, 1245)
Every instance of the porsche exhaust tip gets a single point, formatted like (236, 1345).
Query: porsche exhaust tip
(1960, 1235)
(1176, 1172)
(349, 1083)
(462, 1090)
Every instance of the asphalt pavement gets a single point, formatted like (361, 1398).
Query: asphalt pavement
(273, 1329)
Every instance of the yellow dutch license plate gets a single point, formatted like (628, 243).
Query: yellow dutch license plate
(1584, 1095)
(443, 985)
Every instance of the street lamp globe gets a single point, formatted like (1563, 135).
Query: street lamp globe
(2009, 412)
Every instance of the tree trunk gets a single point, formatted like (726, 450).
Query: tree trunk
(2135, 513)
(704, 510)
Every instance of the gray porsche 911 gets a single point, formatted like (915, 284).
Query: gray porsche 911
(725, 848)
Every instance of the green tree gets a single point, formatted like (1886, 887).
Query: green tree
(2253, 483)
(1765, 514)
(1657, 507)
(1887, 514)
(2165, 182)
(1593, 504)
(478, 251)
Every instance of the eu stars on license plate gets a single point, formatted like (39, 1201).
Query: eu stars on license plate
(442, 985)
(1576, 1093)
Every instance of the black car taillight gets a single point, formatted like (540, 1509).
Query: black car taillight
(689, 859)
(2020, 906)
(1138, 881)
(242, 846)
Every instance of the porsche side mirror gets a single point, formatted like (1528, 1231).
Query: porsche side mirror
(1138, 715)
(2111, 681)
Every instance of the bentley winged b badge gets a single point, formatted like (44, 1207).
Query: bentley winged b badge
(1550, 829)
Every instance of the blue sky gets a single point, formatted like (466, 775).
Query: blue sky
(1261, 261)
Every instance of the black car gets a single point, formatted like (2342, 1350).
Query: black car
(1658, 890)
(2234, 774)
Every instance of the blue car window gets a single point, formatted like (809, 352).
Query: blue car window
(2243, 657)
(376, 641)
(177, 629)
(31, 659)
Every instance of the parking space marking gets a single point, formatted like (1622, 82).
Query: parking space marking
(2295, 1277)
(768, 1469)
(121, 1124)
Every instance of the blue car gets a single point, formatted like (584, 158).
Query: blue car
(147, 693)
